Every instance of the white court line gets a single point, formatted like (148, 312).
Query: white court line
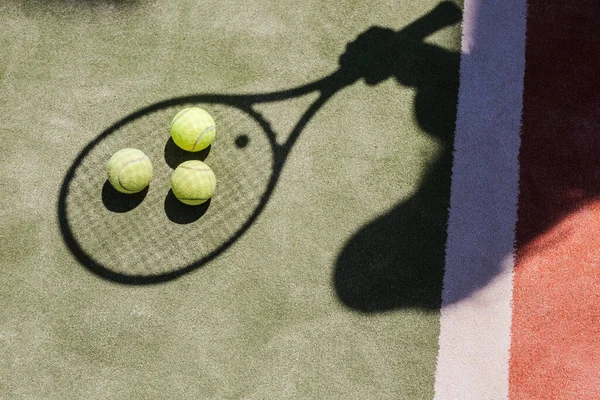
(476, 300)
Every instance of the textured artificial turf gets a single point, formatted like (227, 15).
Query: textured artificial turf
(334, 290)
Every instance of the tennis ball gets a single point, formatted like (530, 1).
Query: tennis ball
(193, 182)
(129, 170)
(193, 129)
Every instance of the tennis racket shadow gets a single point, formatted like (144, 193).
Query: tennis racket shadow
(115, 243)
(376, 55)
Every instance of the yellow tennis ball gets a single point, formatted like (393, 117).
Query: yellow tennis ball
(193, 129)
(129, 170)
(193, 182)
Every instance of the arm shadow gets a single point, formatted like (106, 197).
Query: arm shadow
(397, 260)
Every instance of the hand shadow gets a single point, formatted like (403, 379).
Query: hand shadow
(397, 260)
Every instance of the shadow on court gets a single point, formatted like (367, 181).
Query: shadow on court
(118, 202)
(397, 260)
(394, 261)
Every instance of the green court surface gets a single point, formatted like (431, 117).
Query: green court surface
(328, 287)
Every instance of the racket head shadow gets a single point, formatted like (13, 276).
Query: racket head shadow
(152, 237)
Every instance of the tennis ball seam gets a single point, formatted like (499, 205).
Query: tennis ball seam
(123, 167)
(207, 168)
(212, 127)
(180, 115)
(193, 198)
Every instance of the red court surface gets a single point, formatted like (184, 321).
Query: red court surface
(556, 303)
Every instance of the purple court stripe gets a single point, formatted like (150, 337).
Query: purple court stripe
(476, 300)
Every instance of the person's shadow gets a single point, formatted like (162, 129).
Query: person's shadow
(397, 260)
